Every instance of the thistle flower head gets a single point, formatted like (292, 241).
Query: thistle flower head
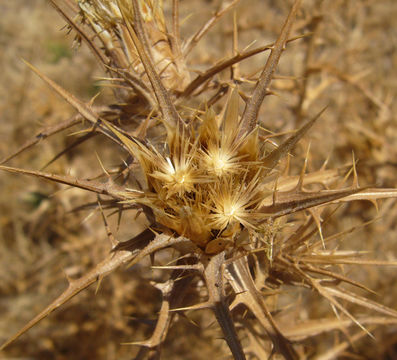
(204, 184)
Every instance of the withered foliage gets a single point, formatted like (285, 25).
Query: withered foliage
(213, 185)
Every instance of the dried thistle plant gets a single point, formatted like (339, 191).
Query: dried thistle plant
(213, 187)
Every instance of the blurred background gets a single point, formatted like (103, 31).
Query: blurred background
(349, 64)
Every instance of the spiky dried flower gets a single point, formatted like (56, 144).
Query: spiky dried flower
(211, 190)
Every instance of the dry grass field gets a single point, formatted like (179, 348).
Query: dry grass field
(346, 61)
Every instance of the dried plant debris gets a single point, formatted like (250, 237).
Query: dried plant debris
(244, 220)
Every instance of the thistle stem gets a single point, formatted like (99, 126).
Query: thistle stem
(213, 277)
(222, 314)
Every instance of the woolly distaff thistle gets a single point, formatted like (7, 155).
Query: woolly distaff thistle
(211, 190)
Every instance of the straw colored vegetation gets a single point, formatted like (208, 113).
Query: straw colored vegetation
(193, 179)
